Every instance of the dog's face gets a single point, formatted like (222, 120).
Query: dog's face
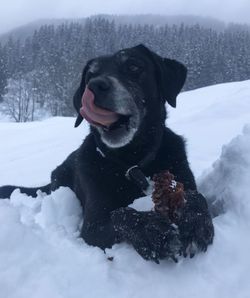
(118, 92)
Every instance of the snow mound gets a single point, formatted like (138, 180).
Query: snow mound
(227, 184)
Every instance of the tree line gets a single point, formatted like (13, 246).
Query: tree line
(39, 75)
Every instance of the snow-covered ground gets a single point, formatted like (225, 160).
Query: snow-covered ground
(41, 254)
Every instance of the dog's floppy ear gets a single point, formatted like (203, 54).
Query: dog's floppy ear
(171, 75)
(77, 104)
(77, 98)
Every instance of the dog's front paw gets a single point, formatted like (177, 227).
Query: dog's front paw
(195, 225)
(152, 235)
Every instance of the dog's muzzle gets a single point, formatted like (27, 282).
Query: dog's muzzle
(94, 114)
(116, 120)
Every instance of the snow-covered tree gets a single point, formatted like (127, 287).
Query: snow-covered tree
(21, 99)
(3, 72)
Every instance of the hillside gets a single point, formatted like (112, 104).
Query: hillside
(24, 31)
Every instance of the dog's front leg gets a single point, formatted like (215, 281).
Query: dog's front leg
(195, 224)
(97, 229)
(152, 235)
(101, 234)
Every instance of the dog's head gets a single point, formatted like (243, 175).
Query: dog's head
(118, 92)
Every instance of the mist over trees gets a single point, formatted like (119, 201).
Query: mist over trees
(42, 72)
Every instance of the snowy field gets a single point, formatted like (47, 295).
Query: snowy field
(41, 254)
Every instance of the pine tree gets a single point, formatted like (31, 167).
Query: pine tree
(3, 72)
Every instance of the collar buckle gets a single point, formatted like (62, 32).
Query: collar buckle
(136, 175)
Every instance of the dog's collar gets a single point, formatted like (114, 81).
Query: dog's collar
(133, 173)
(136, 175)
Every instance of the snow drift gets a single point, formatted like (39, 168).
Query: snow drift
(41, 254)
(226, 186)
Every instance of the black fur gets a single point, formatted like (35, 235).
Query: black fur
(100, 183)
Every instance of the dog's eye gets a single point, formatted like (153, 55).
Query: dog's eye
(133, 68)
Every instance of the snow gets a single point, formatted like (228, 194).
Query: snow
(224, 184)
(3, 117)
(41, 254)
(27, 146)
(210, 117)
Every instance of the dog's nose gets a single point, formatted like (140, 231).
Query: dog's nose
(99, 85)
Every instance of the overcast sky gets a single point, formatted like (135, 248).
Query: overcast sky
(17, 12)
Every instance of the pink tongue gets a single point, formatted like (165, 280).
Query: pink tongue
(94, 114)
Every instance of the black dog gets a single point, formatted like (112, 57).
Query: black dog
(123, 98)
